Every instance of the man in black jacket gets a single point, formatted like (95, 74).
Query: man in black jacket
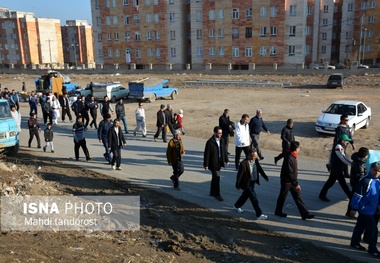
(116, 141)
(247, 176)
(215, 157)
(287, 137)
(169, 118)
(64, 101)
(289, 182)
(227, 127)
(161, 124)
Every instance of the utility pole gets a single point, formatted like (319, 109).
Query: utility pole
(365, 33)
(51, 63)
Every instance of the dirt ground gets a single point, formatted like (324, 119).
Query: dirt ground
(173, 230)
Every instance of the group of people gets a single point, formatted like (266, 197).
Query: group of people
(168, 121)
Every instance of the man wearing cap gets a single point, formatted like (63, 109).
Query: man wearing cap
(161, 124)
(339, 164)
(369, 189)
(174, 154)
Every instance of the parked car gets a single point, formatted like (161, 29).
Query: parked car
(323, 67)
(336, 80)
(359, 116)
(341, 66)
(363, 66)
(114, 91)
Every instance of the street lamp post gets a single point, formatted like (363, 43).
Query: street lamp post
(75, 54)
(365, 33)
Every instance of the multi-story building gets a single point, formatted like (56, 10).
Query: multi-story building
(27, 40)
(77, 43)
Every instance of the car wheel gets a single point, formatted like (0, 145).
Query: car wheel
(366, 124)
(152, 98)
(173, 95)
(353, 130)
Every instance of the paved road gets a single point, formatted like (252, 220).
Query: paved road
(144, 163)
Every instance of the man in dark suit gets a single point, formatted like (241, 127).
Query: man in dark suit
(64, 101)
(116, 141)
(215, 157)
(227, 127)
(161, 124)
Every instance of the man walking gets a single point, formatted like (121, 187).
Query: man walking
(93, 106)
(256, 124)
(33, 102)
(120, 114)
(169, 118)
(104, 126)
(227, 127)
(82, 109)
(105, 106)
(215, 157)
(34, 129)
(47, 111)
(247, 176)
(65, 107)
(116, 141)
(79, 139)
(140, 120)
(161, 124)
(174, 154)
(241, 138)
(287, 136)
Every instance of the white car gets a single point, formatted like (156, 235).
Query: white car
(359, 116)
(323, 67)
(363, 66)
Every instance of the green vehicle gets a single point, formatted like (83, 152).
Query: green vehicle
(9, 137)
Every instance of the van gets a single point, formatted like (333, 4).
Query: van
(9, 137)
(113, 90)
(336, 80)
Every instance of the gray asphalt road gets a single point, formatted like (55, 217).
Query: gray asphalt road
(144, 163)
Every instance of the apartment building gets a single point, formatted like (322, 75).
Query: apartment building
(142, 32)
(77, 43)
(27, 40)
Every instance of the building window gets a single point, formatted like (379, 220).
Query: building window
(155, 2)
(272, 50)
(171, 2)
(235, 13)
(273, 11)
(198, 16)
(136, 19)
(158, 52)
(147, 2)
(348, 34)
(127, 36)
(364, 5)
(109, 36)
(372, 5)
(309, 10)
(263, 31)
(117, 53)
(199, 33)
(263, 11)
(108, 20)
(156, 18)
(248, 51)
(235, 52)
(107, 3)
(221, 51)
(171, 17)
(292, 31)
(292, 10)
(370, 33)
(116, 36)
(99, 37)
(172, 35)
(291, 50)
(349, 21)
(212, 51)
(211, 14)
(148, 18)
(273, 31)
(113, 3)
(125, 2)
(248, 32)
(150, 52)
(149, 35)
(248, 13)
(325, 22)
(110, 53)
(173, 52)
(307, 49)
(221, 14)
(371, 19)
(324, 36)
(97, 5)
(156, 35)
(325, 9)
(138, 53)
(235, 32)
(199, 52)
(126, 19)
(212, 32)
(115, 22)
(137, 36)
(221, 32)
(263, 51)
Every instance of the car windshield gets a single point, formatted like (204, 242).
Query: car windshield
(5, 111)
(335, 77)
(341, 109)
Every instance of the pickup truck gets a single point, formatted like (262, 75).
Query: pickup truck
(151, 89)
(9, 140)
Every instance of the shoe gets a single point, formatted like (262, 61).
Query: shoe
(126, 132)
(172, 178)
(71, 120)
(281, 214)
(155, 139)
(113, 167)
(44, 149)
(85, 129)
(238, 209)
(165, 141)
(88, 159)
(29, 146)
(262, 217)
(375, 254)
(328, 167)
(351, 215)
(183, 133)
(219, 198)
(309, 216)
(39, 146)
(262, 158)
(52, 151)
(357, 246)
(324, 198)
(144, 135)
(76, 159)
(177, 188)
(118, 168)
(105, 156)
(228, 153)
(134, 133)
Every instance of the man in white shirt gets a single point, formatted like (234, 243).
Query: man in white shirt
(140, 120)
(241, 138)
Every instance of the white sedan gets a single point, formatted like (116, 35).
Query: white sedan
(359, 116)
(323, 67)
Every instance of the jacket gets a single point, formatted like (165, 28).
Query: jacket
(289, 169)
(48, 134)
(103, 129)
(342, 129)
(358, 169)
(160, 118)
(33, 124)
(226, 125)
(115, 140)
(244, 175)
(287, 137)
(339, 161)
(242, 135)
(120, 110)
(256, 124)
(171, 152)
(211, 155)
(369, 187)
(78, 131)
